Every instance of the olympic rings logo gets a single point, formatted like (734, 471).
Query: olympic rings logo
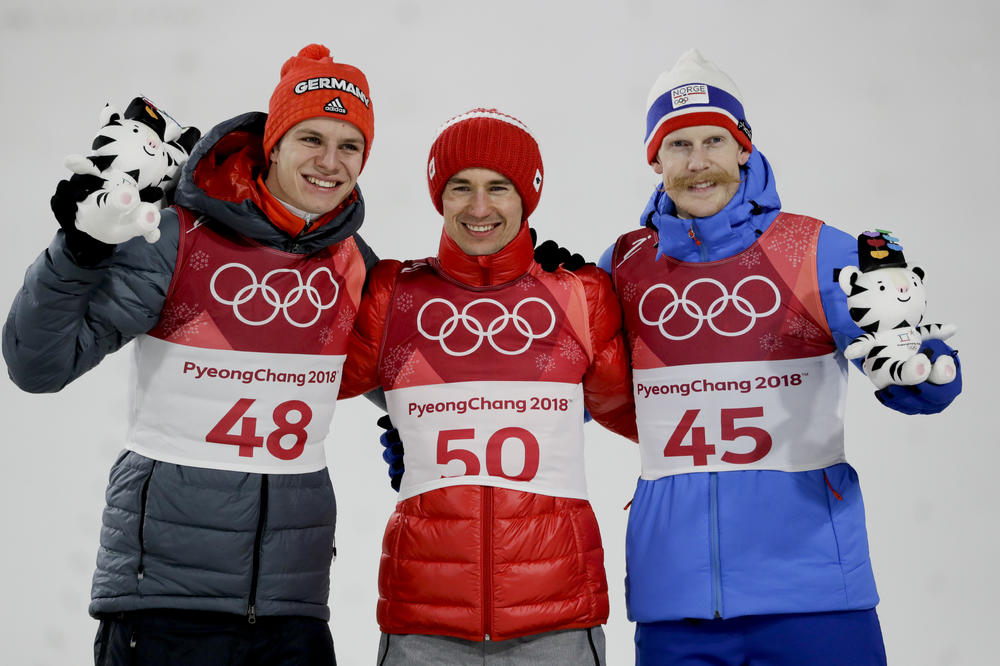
(475, 327)
(274, 299)
(716, 308)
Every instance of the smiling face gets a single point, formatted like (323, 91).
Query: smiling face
(700, 167)
(482, 211)
(315, 165)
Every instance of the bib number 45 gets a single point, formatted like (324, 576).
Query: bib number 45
(247, 438)
(699, 449)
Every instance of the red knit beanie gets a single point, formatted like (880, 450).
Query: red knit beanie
(486, 139)
(312, 85)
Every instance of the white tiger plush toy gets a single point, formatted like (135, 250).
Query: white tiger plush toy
(887, 300)
(138, 155)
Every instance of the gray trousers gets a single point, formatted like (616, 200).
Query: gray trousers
(572, 647)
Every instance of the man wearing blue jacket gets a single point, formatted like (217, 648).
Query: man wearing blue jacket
(746, 540)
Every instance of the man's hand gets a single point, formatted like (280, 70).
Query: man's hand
(926, 397)
(86, 250)
(392, 454)
(551, 256)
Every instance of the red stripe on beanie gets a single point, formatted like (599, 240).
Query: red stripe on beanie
(486, 139)
(676, 122)
(312, 85)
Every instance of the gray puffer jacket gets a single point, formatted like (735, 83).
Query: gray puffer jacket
(175, 536)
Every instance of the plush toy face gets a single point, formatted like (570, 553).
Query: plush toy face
(134, 142)
(133, 148)
(885, 298)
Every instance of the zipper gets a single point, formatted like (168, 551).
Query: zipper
(713, 502)
(487, 541)
(140, 571)
(258, 538)
(829, 485)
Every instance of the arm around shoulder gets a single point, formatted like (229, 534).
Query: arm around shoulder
(361, 366)
(607, 385)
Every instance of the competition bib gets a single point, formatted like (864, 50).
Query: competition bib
(234, 410)
(778, 415)
(516, 434)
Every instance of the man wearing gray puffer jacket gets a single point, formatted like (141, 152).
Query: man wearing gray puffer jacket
(218, 533)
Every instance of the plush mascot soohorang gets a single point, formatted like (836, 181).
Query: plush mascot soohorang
(116, 191)
(887, 300)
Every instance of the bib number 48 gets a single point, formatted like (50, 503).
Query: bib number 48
(247, 438)
(699, 449)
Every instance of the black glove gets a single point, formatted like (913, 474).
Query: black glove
(551, 256)
(87, 251)
(392, 454)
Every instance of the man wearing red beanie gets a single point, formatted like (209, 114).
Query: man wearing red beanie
(218, 534)
(493, 553)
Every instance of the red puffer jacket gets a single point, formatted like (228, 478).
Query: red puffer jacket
(477, 560)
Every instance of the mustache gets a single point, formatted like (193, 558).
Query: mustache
(717, 175)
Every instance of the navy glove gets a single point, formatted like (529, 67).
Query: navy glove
(550, 255)
(924, 398)
(392, 453)
(87, 251)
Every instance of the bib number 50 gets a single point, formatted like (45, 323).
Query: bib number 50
(699, 449)
(494, 452)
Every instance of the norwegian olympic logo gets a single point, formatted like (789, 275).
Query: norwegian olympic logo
(474, 326)
(320, 289)
(700, 316)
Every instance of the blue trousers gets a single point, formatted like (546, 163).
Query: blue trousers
(845, 638)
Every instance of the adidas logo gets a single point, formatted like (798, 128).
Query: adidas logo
(335, 106)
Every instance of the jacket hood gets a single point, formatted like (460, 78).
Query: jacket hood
(731, 230)
(220, 180)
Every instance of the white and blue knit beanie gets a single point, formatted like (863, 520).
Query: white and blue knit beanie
(694, 92)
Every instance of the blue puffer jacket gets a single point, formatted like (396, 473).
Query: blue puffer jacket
(175, 536)
(750, 542)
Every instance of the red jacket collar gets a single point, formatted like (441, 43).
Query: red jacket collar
(510, 263)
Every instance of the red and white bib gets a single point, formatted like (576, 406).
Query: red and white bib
(243, 368)
(485, 385)
(734, 366)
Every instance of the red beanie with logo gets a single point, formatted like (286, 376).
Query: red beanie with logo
(486, 139)
(312, 85)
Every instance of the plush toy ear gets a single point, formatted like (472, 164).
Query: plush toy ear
(108, 114)
(847, 277)
(919, 271)
(188, 138)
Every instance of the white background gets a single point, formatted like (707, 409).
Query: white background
(874, 113)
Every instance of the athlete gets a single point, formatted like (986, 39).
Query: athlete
(493, 553)
(218, 534)
(746, 539)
